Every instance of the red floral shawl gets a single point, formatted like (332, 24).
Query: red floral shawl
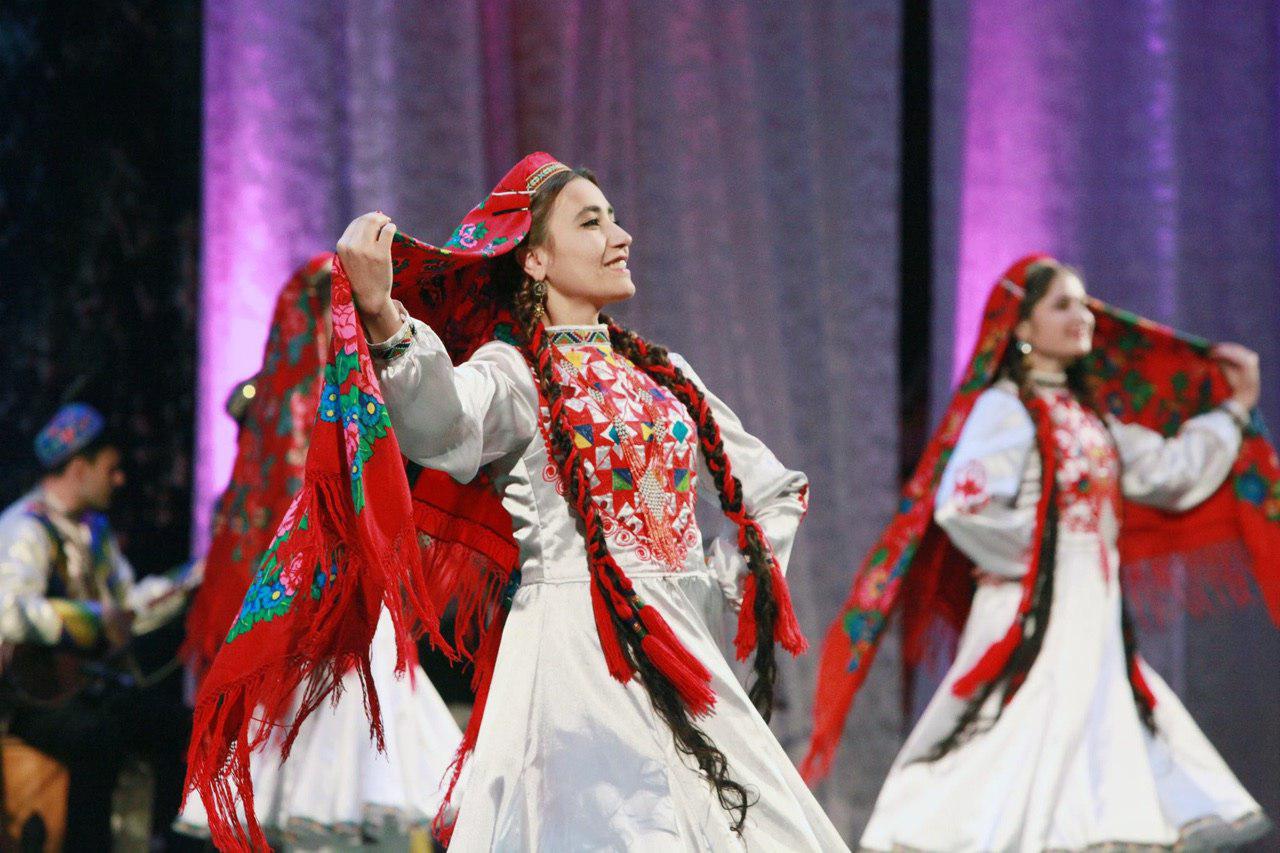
(271, 449)
(1142, 372)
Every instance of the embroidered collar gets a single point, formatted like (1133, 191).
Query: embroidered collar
(572, 336)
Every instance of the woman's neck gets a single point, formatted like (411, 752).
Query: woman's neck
(564, 312)
(1041, 363)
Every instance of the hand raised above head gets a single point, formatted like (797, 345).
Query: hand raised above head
(1240, 366)
(365, 251)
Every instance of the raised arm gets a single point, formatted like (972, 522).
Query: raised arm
(1179, 472)
(452, 419)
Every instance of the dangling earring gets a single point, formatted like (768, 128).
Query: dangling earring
(540, 298)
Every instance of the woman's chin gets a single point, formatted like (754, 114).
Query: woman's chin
(1072, 352)
(621, 292)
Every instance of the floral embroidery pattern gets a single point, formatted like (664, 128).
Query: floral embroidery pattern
(1251, 486)
(363, 416)
(1088, 466)
(468, 235)
(971, 495)
(638, 446)
(393, 349)
(272, 591)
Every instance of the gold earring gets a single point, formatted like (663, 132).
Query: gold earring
(540, 297)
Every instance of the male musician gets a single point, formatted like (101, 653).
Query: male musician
(69, 606)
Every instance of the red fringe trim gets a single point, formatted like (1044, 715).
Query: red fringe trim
(1202, 582)
(328, 638)
(687, 674)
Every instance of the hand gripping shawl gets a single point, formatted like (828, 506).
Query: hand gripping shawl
(271, 449)
(368, 529)
(1139, 371)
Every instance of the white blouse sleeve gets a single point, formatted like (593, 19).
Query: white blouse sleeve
(776, 496)
(1176, 473)
(986, 501)
(455, 419)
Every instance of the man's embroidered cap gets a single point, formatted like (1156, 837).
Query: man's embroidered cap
(72, 429)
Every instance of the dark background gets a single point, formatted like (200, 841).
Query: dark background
(99, 206)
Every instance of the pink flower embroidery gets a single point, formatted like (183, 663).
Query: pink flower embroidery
(368, 382)
(467, 236)
(352, 435)
(291, 575)
(345, 326)
(290, 515)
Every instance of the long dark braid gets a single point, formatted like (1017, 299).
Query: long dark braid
(1035, 623)
(656, 362)
(689, 737)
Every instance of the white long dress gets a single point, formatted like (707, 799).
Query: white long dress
(336, 790)
(567, 757)
(1068, 765)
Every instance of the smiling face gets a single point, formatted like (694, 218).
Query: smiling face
(583, 256)
(1060, 326)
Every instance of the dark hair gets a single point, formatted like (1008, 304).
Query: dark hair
(654, 361)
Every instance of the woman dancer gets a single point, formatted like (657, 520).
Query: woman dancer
(1049, 732)
(606, 715)
(335, 790)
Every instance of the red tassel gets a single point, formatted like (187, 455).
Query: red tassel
(658, 627)
(619, 667)
(685, 672)
(786, 629)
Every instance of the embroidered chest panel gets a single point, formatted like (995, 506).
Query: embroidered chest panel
(1088, 465)
(639, 446)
